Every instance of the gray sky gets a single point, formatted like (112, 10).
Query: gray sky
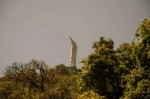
(40, 29)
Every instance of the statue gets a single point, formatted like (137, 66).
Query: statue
(73, 53)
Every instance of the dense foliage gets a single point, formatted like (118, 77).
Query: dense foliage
(107, 73)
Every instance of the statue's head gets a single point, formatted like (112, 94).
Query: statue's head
(73, 42)
(70, 38)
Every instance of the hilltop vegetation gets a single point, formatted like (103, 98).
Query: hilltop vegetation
(107, 73)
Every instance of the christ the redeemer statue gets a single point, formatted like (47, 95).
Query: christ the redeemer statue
(73, 54)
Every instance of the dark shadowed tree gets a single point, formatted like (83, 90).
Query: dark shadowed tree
(32, 74)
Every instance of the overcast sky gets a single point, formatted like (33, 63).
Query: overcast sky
(40, 29)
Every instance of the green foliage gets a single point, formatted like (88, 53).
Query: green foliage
(91, 95)
(62, 69)
(137, 80)
(101, 68)
(66, 88)
(6, 88)
(140, 92)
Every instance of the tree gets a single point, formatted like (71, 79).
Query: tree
(138, 78)
(101, 68)
(32, 74)
(62, 69)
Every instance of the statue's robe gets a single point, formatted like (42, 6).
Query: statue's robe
(73, 53)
